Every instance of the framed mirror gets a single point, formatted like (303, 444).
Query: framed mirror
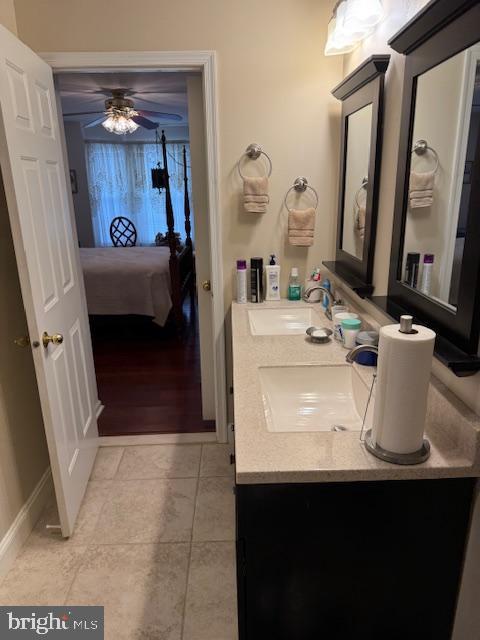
(361, 94)
(435, 259)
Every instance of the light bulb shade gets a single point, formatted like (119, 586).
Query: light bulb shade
(120, 122)
(354, 20)
(362, 15)
(338, 41)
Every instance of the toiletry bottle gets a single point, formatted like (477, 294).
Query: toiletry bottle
(294, 286)
(272, 280)
(242, 281)
(314, 279)
(411, 269)
(326, 283)
(350, 330)
(427, 270)
(256, 279)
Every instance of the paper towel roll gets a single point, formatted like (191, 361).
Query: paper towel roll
(404, 364)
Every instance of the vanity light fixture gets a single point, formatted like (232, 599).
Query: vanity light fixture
(351, 22)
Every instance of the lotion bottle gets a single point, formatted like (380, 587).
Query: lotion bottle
(272, 277)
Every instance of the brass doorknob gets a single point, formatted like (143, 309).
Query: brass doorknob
(206, 285)
(22, 341)
(56, 338)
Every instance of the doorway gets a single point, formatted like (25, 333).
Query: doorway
(39, 200)
(128, 147)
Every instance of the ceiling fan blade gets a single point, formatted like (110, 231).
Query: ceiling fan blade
(95, 122)
(138, 98)
(145, 122)
(81, 113)
(161, 114)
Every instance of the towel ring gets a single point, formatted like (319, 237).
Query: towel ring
(254, 151)
(300, 186)
(363, 186)
(421, 147)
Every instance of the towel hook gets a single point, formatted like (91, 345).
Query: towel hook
(300, 185)
(253, 152)
(421, 147)
(364, 185)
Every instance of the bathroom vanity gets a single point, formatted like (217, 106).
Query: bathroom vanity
(331, 541)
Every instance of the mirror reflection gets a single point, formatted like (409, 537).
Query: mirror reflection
(444, 150)
(359, 127)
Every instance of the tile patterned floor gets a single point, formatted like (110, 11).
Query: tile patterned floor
(154, 544)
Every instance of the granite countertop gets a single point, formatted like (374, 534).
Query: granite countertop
(266, 457)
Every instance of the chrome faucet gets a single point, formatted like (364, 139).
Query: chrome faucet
(353, 353)
(331, 300)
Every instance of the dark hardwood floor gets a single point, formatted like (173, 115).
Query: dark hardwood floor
(148, 377)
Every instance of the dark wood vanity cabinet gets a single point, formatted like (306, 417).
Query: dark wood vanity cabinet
(351, 560)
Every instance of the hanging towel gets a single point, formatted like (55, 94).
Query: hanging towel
(421, 189)
(301, 225)
(360, 215)
(255, 194)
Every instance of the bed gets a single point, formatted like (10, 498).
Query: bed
(148, 281)
(128, 280)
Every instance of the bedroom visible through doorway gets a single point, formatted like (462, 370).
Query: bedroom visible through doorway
(137, 208)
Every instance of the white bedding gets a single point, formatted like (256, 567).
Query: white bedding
(127, 280)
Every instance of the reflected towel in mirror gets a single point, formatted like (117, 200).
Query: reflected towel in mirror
(421, 189)
(360, 215)
(301, 225)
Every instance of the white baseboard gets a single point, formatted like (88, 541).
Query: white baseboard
(15, 538)
(157, 438)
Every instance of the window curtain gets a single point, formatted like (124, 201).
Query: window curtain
(120, 184)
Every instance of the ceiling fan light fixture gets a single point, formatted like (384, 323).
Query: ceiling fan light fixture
(120, 121)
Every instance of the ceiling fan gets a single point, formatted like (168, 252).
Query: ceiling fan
(120, 115)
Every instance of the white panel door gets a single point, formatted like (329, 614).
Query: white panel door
(34, 175)
(198, 162)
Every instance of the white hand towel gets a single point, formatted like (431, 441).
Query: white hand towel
(301, 225)
(255, 194)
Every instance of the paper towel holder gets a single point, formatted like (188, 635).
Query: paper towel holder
(417, 457)
(406, 324)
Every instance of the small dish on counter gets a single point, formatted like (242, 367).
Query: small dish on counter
(319, 335)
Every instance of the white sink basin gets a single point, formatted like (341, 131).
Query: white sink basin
(314, 398)
(278, 322)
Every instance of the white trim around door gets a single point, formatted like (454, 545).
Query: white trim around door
(204, 61)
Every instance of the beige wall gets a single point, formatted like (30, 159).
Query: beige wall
(7, 15)
(23, 450)
(81, 200)
(274, 88)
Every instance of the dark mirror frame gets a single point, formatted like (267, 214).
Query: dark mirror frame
(364, 86)
(439, 31)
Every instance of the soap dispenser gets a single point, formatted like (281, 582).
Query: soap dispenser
(272, 277)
